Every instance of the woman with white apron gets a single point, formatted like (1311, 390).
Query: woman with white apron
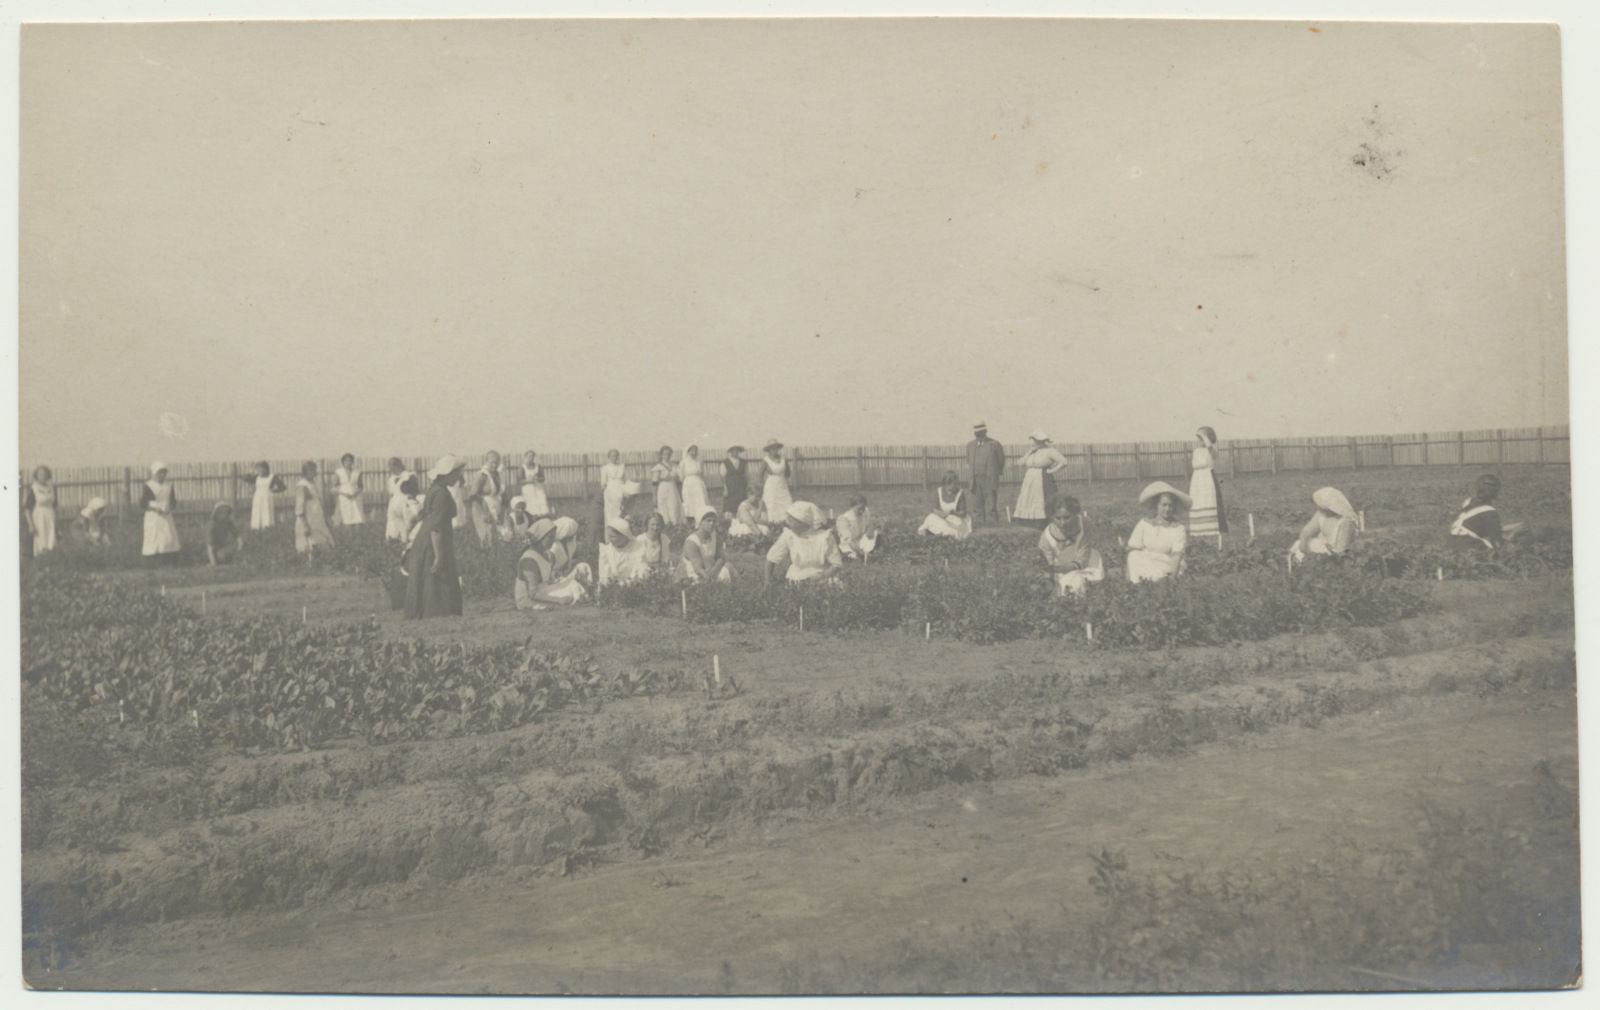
(44, 511)
(1040, 464)
(615, 487)
(533, 492)
(695, 496)
(775, 470)
(396, 522)
(267, 485)
(952, 518)
(348, 510)
(484, 497)
(157, 501)
(665, 477)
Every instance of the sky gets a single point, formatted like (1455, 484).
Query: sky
(274, 240)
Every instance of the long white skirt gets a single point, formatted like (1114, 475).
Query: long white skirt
(160, 534)
(1030, 499)
(261, 509)
(396, 521)
(616, 495)
(44, 529)
(695, 497)
(668, 503)
(348, 511)
(941, 525)
(1077, 583)
(538, 503)
(775, 495)
(1203, 510)
(1150, 566)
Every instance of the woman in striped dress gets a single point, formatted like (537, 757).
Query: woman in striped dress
(1206, 518)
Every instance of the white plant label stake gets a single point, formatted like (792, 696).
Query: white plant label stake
(802, 618)
(202, 602)
(1088, 630)
(685, 596)
(927, 632)
(716, 669)
(302, 615)
(1252, 526)
(1441, 573)
(1361, 520)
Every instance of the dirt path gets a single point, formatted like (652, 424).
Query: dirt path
(812, 906)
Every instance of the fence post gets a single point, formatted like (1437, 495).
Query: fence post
(1500, 446)
(1138, 462)
(1274, 443)
(1088, 458)
(1355, 454)
(1388, 444)
(861, 466)
(125, 506)
(585, 478)
(233, 490)
(1461, 449)
(924, 468)
(1541, 446)
(1424, 448)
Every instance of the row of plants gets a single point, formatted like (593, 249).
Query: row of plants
(269, 683)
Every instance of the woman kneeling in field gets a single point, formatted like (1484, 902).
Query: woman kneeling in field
(1156, 545)
(1332, 530)
(858, 534)
(811, 550)
(1065, 547)
(621, 557)
(541, 576)
(703, 559)
(950, 519)
(1477, 525)
(751, 519)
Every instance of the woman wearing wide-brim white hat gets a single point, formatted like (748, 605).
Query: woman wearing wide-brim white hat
(774, 480)
(1040, 464)
(433, 588)
(1156, 545)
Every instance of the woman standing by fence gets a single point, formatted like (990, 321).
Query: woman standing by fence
(1206, 518)
(348, 510)
(433, 586)
(157, 500)
(267, 485)
(42, 513)
(775, 473)
(1039, 466)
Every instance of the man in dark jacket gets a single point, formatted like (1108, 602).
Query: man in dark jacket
(986, 458)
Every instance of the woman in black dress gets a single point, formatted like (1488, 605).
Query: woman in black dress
(433, 587)
(735, 479)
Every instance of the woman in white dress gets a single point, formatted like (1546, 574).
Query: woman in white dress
(484, 497)
(1332, 529)
(158, 501)
(950, 518)
(1156, 545)
(396, 523)
(310, 521)
(43, 514)
(811, 549)
(533, 492)
(267, 485)
(1040, 464)
(1064, 544)
(615, 487)
(664, 476)
(655, 544)
(1206, 518)
(695, 496)
(540, 582)
(347, 507)
(703, 559)
(857, 533)
(774, 472)
(750, 520)
(620, 555)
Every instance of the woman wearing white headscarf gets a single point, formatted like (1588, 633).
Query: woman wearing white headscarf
(621, 559)
(774, 476)
(1332, 529)
(695, 496)
(1206, 518)
(1040, 464)
(157, 501)
(807, 545)
(703, 559)
(540, 583)
(1156, 545)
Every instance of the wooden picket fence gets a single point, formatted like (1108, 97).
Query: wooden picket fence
(571, 477)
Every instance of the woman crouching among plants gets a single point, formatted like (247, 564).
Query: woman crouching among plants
(1064, 544)
(1332, 530)
(1157, 543)
(545, 573)
(809, 547)
(703, 558)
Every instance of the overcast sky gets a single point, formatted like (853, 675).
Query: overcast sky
(299, 239)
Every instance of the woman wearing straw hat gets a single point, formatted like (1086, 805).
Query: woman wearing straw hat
(1206, 518)
(774, 480)
(1040, 464)
(433, 586)
(158, 500)
(1155, 547)
(1332, 529)
(807, 545)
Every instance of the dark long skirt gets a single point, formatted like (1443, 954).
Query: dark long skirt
(1222, 513)
(432, 594)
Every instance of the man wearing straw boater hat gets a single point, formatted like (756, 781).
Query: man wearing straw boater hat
(985, 458)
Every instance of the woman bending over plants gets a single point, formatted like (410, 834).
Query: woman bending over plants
(1156, 545)
(808, 546)
(1332, 529)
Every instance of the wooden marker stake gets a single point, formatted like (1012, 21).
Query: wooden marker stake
(927, 632)
(202, 602)
(303, 615)
(1088, 630)
(1219, 541)
(684, 594)
(1252, 526)
(716, 669)
(1008, 513)
(1441, 573)
(802, 618)
(1361, 520)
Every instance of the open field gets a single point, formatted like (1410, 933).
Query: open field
(1377, 799)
